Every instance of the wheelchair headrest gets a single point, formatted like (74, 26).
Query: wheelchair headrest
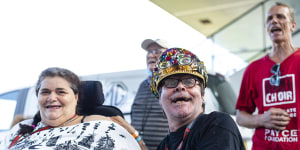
(91, 99)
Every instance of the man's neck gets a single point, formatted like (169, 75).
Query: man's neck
(281, 50)
(176, 123)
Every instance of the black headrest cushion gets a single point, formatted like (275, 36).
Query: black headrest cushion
(90, 96)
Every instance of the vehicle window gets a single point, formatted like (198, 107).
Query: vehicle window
(13, 95)
(8, 103)
(223, 93)
(31, 105)
(211, 103)
(227, 97)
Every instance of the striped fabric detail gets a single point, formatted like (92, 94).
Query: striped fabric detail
(148, 118)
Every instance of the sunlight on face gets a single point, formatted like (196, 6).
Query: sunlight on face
(181, 102)
(57, 101)
(279, 24)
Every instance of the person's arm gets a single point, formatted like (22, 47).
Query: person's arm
(130, 129)
(274, 118)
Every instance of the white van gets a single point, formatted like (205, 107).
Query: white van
(119, 90)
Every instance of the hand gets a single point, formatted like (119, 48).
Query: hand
(275, 118)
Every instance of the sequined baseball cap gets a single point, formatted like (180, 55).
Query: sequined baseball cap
(177, 61)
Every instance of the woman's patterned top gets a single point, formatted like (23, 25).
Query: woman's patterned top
(96, 135)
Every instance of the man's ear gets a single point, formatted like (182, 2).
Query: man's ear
(159, 100)
(293, 26)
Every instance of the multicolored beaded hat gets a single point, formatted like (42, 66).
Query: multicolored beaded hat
(177, 61)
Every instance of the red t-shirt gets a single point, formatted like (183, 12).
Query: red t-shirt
(257, 92)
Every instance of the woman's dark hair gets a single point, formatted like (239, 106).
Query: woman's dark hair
(27, 128)
(68, 75)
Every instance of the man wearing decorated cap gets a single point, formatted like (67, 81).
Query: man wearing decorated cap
(179, 81)
(146, 114)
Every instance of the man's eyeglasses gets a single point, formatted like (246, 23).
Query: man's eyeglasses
(155, 52)
(275, 79)
(172, 83)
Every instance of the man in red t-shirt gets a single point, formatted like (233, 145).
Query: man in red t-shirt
(271, 84)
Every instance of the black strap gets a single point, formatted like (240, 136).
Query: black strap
(82, 120)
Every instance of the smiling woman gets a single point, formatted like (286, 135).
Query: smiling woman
(57, 96)
(58, 126)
